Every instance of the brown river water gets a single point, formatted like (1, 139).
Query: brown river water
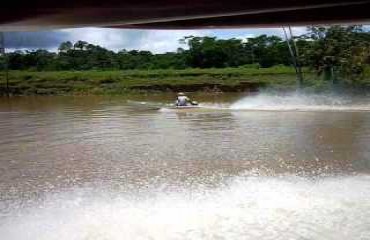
(267, 166)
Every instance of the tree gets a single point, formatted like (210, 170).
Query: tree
(16, 60)
(81, 45)
(331, 51)
(268, 50)
(337, 50)
(205, 52)
(65, 46)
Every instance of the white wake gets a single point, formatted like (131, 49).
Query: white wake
(302, 102)
(244, 208)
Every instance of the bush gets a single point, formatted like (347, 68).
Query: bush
(252, 65)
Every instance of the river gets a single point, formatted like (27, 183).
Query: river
(267, 166)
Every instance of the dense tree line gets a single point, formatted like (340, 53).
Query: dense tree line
(203, 52)
(334, 49)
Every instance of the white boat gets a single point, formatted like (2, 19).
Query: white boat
(154, 106)
(184, 107)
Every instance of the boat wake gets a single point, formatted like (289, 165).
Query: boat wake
(244, 208)
(301, 102)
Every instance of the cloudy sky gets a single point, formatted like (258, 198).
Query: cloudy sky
(157, 41)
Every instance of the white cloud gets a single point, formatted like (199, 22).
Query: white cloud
(299, 30)
(116, 39)
(157, 41)
(243, 33)
(167, 40)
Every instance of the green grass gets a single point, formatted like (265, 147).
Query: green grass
(121, 82)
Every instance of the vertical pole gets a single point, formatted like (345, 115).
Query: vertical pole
(299, 67)
(333, 75)
(3, 52)
(252, 53)
(293, 55)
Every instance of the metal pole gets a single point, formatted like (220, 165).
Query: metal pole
(299, 67)
(292, 54)
(252, 53)
(3, 52)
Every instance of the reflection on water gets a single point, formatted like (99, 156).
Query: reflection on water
(97, 168)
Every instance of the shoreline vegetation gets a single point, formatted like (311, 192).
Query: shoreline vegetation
(212, 80)
(335, 57)
(143, 81)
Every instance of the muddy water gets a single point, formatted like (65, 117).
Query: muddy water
(268, 167)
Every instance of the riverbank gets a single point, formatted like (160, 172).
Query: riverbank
(143, 81)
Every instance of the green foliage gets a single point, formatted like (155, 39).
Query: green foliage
(119, 82)
(334, 52)
(251, 65)
(337, 51)
(203, 52)
(65, 46)
(268, 50)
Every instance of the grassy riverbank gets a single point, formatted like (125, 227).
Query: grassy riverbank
(122, 82)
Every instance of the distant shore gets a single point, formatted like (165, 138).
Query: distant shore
(144, 81)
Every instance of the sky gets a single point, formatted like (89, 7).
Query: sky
(156, 41)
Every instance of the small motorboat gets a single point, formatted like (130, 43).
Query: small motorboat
(156, 106)
(192, 104)
(184, 107)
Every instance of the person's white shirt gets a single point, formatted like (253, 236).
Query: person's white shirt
(182, 100)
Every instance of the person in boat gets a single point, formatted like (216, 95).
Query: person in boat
(182, 100)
